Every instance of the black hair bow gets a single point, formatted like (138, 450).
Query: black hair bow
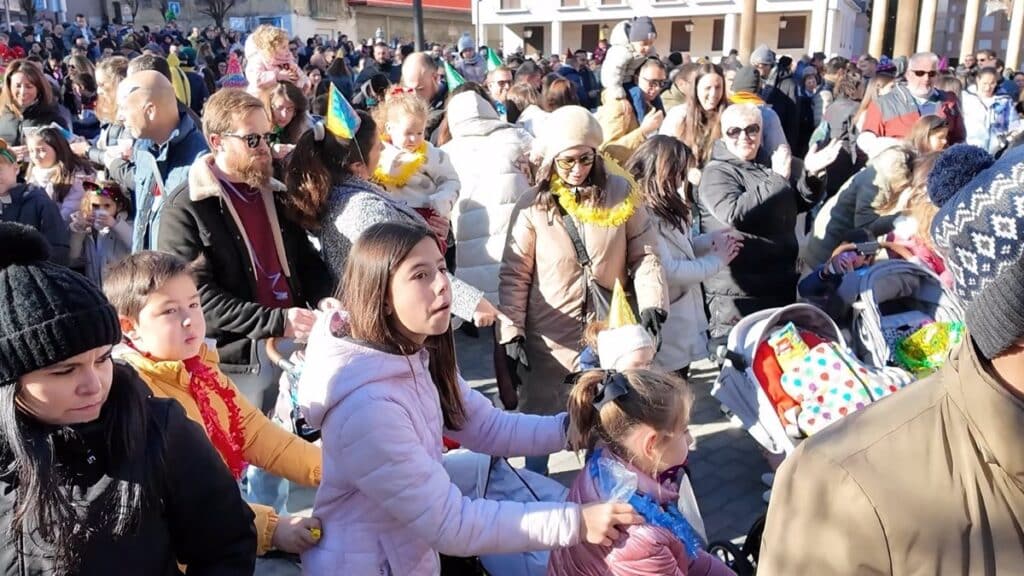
(614, 386)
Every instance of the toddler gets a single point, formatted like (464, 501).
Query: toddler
(268, 60)
(632, 41)
(56, 169)
(620, 343)
(101, 232)
(411, 168)
(635, 427)
(161, 316)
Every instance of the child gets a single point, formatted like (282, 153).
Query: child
(635, 427)
(28, 205)
(162, 319)
(410, 168)
(101, 234)
(383, 387)
(268, 60)
(56, 169)
(620, 343)
(632, 41)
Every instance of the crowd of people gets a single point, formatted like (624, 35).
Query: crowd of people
(178, 211)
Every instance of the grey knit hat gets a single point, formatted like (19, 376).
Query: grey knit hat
(762, 55)
(980, 232)
(642, 28)
(48, 313)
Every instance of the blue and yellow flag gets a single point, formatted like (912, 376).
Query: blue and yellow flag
(342, 120)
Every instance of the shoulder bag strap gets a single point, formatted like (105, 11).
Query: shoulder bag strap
(574, 234)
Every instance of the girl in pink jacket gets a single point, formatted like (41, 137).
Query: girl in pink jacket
(383, 387)
(269, 61)
(635, 425)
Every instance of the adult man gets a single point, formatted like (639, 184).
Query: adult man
(779, 90)
(258, 274)
(929, 480)
(627, 123)
(419, 74)
(1007, 87)
(529, 73)
(968, 67)
(79, 30)
(868, 66)
(381, 64)
(889, 119)
(499, 81)
(472, 67)
(577, 72)
(835, 70)
(168, 141)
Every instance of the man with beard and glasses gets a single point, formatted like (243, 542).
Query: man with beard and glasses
(258, 274)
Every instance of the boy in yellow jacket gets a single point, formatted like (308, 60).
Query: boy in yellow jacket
(158, 305)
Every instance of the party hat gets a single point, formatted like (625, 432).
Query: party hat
(233, 77)
(493, 61)
(619, 313)
(342, 120)
(452, 77)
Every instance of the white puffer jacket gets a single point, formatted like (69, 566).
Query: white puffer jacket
(490, 156)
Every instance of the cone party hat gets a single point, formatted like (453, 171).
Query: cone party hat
(620, 314)
(493, 60)
(452, 77)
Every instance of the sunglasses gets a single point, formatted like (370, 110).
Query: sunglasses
(929, 73)
(658, 83)
(253, 140)
(569, 163)
(750, 131)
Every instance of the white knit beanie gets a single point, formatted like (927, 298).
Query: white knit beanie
(568, 127)
(615, 343)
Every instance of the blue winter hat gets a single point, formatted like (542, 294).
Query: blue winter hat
(954, 169)
(980, 231)
(466, 42)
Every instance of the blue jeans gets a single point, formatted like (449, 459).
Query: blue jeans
(262, 487)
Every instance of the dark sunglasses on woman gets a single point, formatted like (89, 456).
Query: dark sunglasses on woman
(750, 131)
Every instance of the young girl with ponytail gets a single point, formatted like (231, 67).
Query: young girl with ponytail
(635, 428)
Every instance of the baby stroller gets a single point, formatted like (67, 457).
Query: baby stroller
(895, 298)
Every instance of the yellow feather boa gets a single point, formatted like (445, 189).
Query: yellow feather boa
(612, 217)
(405, 172)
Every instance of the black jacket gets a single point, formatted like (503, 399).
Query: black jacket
(780, 92)
(31, 206)
(35, 116)
(197, 225)
(192, 511)
(762, 206)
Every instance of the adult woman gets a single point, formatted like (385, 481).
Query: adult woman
(333, 198)
(840, 116)
(867, 201)
(880, 85)
(339, 75)
(558, 91)
(98, 477)
(27, 101)
(988, 116)
(695, 122)
(315, 76)
(660, 166)
(491, 160)
(288, 109)
(760, 197)
(929, 134)
(112, 145)
(542, 285)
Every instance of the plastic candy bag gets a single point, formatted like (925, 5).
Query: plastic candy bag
(925, 350)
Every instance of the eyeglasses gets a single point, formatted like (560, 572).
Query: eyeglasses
(920, 73)
(750, 131)
(502, 83)
(654, 82)
(253, 140)
(569, 163)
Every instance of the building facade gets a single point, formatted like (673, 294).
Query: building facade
(702, 28)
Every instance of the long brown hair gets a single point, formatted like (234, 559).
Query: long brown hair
(69, 165)
(880, 81)
(701, 128)
(921, 132)
(920, 205)
(659, 400)
(300, 121)
(317, 166)
(591, 192)
(364, 293)
(659, 166)
(34, 72)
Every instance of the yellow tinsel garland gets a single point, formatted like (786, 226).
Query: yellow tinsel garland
(604, 217)
(405, 172)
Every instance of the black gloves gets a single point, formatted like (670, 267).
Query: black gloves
(516, 354)
(652, 319)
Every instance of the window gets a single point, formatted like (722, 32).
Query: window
(511, 4)
(717, 34)
(589, 34)
(572, 3)
(680, 41)
(988, 24)
(792, 36)
(613, 2)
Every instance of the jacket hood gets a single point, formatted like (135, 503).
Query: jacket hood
(471, 115)
(337, 366)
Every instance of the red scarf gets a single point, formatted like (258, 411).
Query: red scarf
(230, 443)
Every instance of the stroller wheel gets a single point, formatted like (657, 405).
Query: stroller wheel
(731, 556)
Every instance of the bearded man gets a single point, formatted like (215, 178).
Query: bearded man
(257, 272)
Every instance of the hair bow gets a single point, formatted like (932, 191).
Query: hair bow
(614, 386)
(396, 90)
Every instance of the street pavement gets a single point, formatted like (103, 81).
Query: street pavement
(726, 464)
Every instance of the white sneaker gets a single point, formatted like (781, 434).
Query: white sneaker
(768, 479)
(767, 496)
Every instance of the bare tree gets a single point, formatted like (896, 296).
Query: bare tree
(218, 10)
(28, 8)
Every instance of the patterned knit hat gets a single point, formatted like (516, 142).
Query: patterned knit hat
(47, 312)
(233, 77)
(980, 231)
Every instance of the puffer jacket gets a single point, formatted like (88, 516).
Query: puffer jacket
(543, 288)
(762, 206)
(386, 503)
(267, 445)
(490, 158)
(645, 550)
(688, 262)
(434, 185)
(857, 205)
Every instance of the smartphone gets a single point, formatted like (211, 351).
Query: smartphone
(867, 248)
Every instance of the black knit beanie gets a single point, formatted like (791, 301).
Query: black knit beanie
(48, 313)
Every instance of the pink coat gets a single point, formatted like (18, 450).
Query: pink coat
(385, 500)
(646, 551)
(261, 69)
